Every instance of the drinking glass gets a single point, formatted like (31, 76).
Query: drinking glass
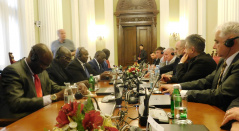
(180, 110)
(96, 83)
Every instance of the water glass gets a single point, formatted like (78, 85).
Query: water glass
(96, 83)
(180, 110)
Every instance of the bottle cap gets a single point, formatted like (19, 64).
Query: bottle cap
(175, 87)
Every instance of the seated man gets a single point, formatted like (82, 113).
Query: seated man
(57, 71)
(97, 62)
(106, 64)
(159, 55)
(79, 68)
(169, 56)
(26, 86)
(153, 57)
(180, 46)
(221, 86)
(195, 63)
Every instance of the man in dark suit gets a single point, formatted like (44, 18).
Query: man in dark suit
(159, 55)
(97, 62)
(57, 71)
(195, 63)
(179, 48)
(142, 54)
(106, 63)
(79, 68)
(26, 86)
(221, 86)
(153, 57)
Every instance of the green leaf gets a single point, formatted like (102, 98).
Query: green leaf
(89, 105)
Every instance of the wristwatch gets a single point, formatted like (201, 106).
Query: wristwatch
(53, 97)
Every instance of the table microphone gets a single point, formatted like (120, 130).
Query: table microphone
(144, 117)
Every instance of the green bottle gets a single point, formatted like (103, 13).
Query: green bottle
(175, 92)
(92, 83)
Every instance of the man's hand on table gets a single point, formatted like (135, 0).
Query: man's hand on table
(82, 88)
(165, 78)
(232, 114)
(166, 88)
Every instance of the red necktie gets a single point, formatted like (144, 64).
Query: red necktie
(38, 85)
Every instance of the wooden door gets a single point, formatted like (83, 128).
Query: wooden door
(144, 37)
(129, 46)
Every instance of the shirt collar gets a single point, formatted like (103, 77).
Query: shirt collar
(230, 59)
(28, 66)
(97, 62)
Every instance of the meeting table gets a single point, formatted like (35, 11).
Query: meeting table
(45, 118)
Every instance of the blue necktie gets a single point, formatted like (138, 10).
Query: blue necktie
(86, 72)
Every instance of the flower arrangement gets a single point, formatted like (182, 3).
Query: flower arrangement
(76, 116)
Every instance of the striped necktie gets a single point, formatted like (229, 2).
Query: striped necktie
(86, 72)
(221, 74)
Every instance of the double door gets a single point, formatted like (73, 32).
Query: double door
(133, 36)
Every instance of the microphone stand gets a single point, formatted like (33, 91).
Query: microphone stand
(143, 119)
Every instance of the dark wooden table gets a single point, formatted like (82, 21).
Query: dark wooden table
(204, 114)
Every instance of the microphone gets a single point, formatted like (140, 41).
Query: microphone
(144, 117)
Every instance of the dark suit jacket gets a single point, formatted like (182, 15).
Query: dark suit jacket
(77, 72)
(143, 56)
(156, 61)
(18, 89)
(105, 66)
(95, 66)
(58, 74)
(196, 68)
(205, 90)
(171, 67)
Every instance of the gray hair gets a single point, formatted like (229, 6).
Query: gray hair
(182, 43)
(197, 42)
(228, 28)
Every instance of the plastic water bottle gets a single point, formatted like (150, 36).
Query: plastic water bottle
(92, 83)
(151, 80)
(175, 92)
(114, 73)
(68, 94)
(156, 71)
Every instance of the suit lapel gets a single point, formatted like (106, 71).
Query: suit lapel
(29, 77)
(230, 67)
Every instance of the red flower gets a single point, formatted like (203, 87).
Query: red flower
(92, 120)
(62, 119)
(110, 128)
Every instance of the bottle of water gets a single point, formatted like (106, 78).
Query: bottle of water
(68, 94)
(151, 80)
(92, 83)
(175, 92)
(114, 73)
(156, 71)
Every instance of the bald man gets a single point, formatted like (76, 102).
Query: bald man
(26, 85)
(62, 41)
(169, 56)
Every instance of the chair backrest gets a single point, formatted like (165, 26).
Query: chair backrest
(11, 58)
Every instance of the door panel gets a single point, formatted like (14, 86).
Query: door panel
(129, 50)
(144, 37)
